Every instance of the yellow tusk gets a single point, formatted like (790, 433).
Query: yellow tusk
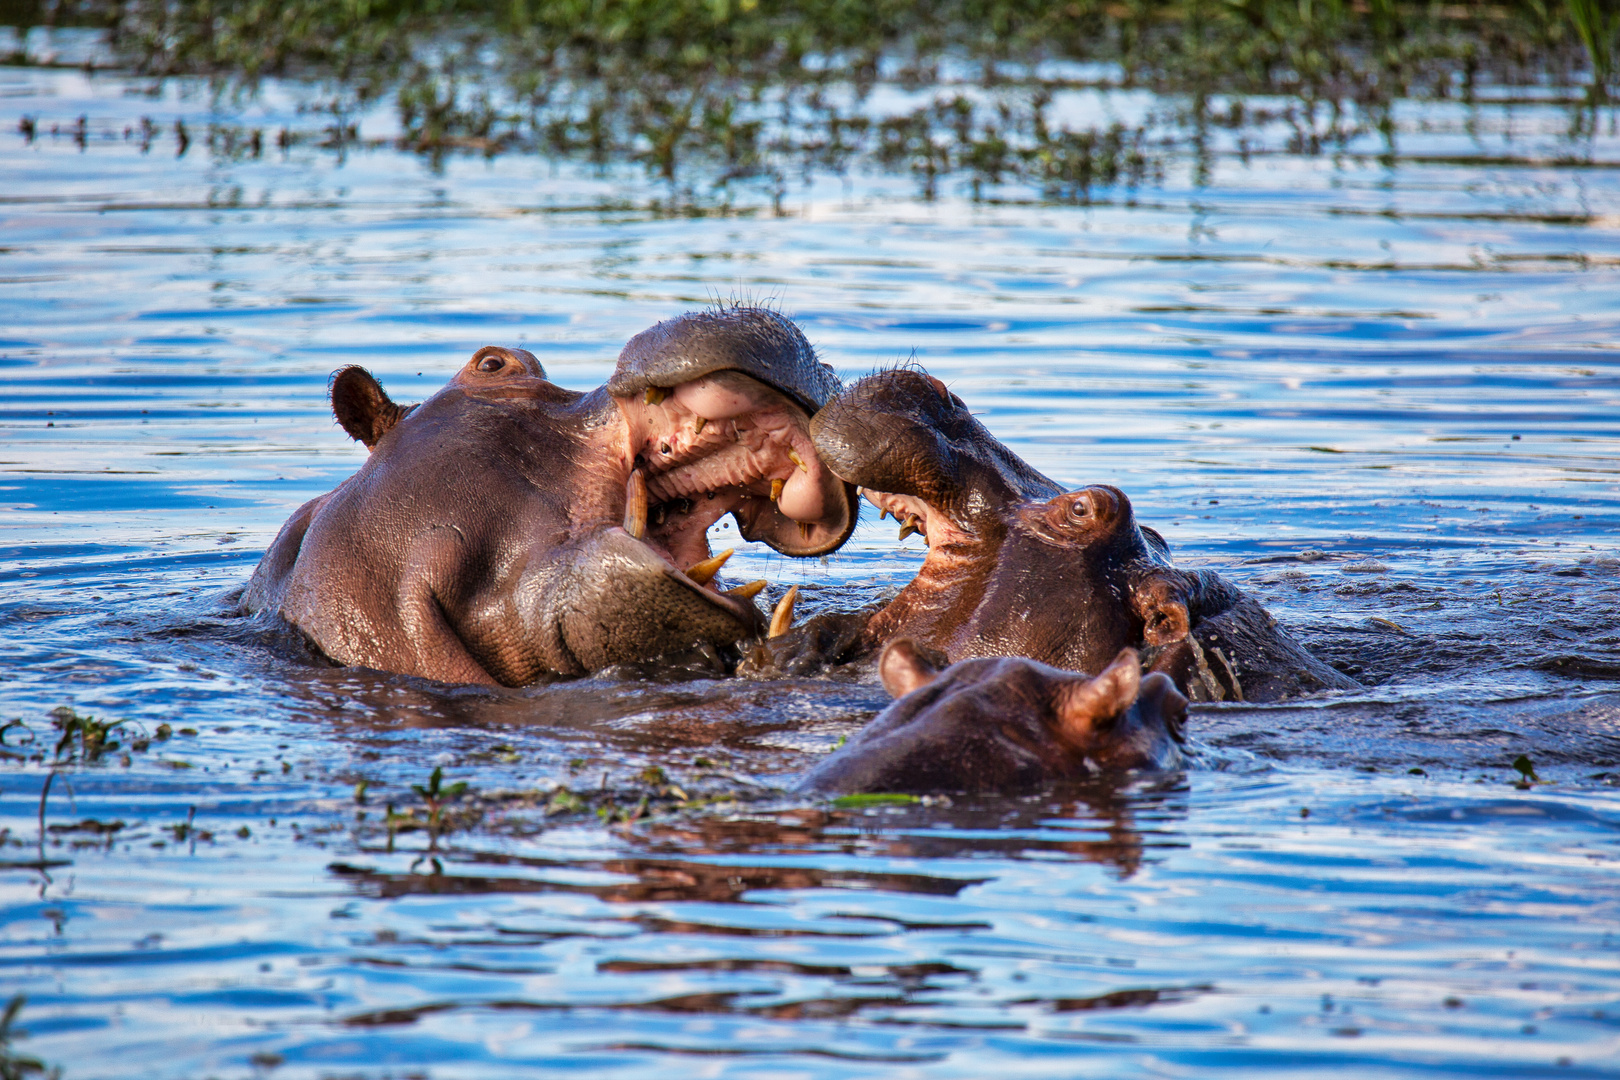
(635, 505)
(793, 456)
(882, 514)
(655, 395)
(911, 526)
(748, 591)
(703, 572)
(776, 489)
(697, 428)
(805, 530)
(782, 617)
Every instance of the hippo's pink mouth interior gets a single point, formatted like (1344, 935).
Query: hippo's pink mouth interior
(917, 515)
(726, 444)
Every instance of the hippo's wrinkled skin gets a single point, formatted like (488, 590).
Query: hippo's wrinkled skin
(1017, 566)
(506, 527)
(1005, 725)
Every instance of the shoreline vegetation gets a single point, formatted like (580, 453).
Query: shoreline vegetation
(761, 91)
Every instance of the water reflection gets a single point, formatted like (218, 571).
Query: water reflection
(1308, 373)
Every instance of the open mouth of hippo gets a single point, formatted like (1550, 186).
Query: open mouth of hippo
(728, 444)
(917, 518)
(717, 412)
(920, 456)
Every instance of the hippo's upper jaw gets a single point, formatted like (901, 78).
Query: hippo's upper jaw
(507, 528)
(1005, 725)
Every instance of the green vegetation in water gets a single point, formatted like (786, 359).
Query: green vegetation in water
(865, 799)
(15, 1066)
(435, 794)
(83, 738)
(762, 90)
(1526, 770)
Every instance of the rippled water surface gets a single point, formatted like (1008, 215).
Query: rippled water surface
(1380, 393)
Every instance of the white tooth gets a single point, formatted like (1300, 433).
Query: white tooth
(635, 505)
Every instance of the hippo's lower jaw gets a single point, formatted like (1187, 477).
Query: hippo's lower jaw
(643, 582)
(616, 599)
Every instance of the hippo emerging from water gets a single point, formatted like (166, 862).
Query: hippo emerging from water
(1017, 566)
(1005, 725)
(506, 527)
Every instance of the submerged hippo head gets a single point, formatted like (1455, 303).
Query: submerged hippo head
(507, 527)
(1005, 725)
(1017, 566)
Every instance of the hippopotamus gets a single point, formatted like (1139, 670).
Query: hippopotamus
(507, 528)
(1019, 566)
(1005, 725)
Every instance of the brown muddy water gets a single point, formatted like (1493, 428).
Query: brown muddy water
(1379, 392)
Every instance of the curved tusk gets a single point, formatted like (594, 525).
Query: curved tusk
(782, 617)
(635, 505)
(748, 591)
(703, 572)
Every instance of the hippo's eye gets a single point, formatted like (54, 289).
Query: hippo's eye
(1080, 510)
(491, 364)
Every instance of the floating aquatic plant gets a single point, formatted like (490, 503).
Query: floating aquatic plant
(759, 90)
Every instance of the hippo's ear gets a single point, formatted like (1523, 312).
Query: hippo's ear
(362, 406)
(1083, 707)
(1160, 601)
(904, 667)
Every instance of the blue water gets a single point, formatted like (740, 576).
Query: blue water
(1383, 395)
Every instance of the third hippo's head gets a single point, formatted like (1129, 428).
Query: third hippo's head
(1016, 565)
(1006, 725)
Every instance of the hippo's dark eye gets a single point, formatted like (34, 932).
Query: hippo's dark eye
(491, 364)
(1080, 510)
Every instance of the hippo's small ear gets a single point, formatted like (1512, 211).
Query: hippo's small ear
(1161, 604)
(904, 667)
(1083, 707)
(362, 406)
